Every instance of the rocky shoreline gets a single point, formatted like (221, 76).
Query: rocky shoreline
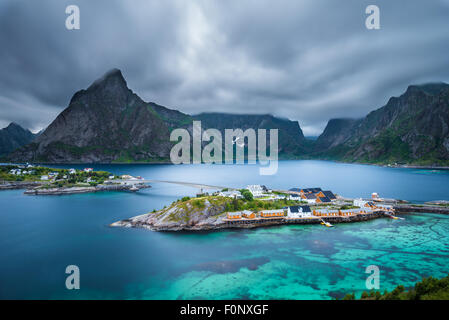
(76, 190)
(19, 185)
(219, 223)
(186, 217)
(410, 208)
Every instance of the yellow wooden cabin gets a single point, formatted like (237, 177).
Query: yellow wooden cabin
(251, 215)
(271, 214)
(234, 215)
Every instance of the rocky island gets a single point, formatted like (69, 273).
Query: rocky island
(241, 209)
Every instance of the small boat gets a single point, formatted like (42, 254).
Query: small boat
(327, 224)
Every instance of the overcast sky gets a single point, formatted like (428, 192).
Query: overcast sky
(304, 60)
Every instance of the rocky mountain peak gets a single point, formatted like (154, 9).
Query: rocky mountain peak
(109, 90)
(113, 77)
(14, 127)
(428, 88)
(13, 137)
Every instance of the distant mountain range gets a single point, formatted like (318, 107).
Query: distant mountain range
(290, 137)
(109, 123)
(410, 129)
(13, 137)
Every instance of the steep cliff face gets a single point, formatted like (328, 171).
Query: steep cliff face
(13, 137)
(291, 141)
(107, 122)
(337, 132)
(412, 129)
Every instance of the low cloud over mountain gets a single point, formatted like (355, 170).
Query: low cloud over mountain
(303, 60)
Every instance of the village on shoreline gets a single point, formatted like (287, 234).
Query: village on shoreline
(253, 206)
(39, 180)
(258, 206)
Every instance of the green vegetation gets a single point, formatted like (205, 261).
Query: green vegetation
(348, 207)
(198, 203)
(427, 289)
(247, 195)
(56, 177)
(232, 204)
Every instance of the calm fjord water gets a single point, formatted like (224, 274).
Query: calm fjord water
(41, 235)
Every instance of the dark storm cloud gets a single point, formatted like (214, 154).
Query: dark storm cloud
(305, 60)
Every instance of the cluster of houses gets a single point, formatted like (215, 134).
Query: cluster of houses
(72, 171)
(313, 195)
(367, 204)
(298, 212)
(258, 191)
(21, 170)
(309, 195)
(51, 176)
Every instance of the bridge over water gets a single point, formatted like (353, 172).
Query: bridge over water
(183, 183)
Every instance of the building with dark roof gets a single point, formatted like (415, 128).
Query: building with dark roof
(323, 200)
(299, 211)
(310, 190)
(329, 194)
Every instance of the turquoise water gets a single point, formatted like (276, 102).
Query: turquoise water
(40, 236)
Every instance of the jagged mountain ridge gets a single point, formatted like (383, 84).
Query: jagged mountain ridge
(108, 122)
(410, 129)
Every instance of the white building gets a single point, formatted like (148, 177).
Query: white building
(299, 212)
(72, 171)
(256, 190)
(360, 202)
(88, 169)
(230, 194)
(44, 177)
